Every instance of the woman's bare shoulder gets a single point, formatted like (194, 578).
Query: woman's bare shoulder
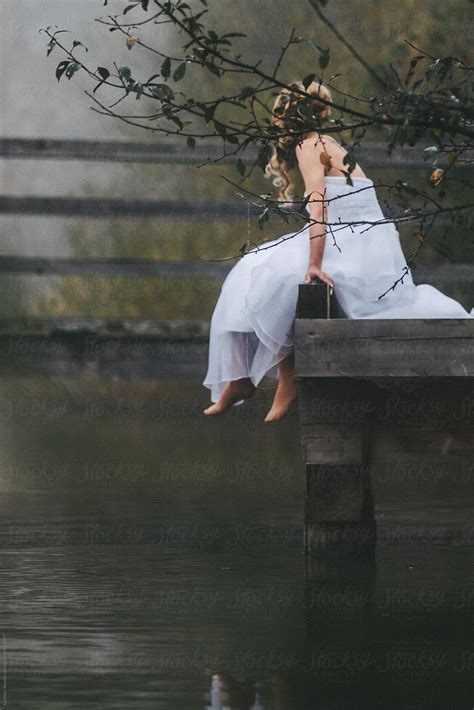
(310, 142)
(318, 140)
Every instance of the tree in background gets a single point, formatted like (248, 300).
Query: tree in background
(213, 87)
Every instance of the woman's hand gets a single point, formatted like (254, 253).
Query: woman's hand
(315, 271)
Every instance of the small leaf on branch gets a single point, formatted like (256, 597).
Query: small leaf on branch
(130, 7)
(76, 43)
(324, 59)
(179, 71)
(68, 68)
(264, 155)
(348, 177)
(308, 80)
(125, 73)
(166, 68)
(436, 176)
(173, 117)
(104, 73)
(220, 128)
(241, 166)
(72, 69)
(246, 92)
(208, 111)
(191, 142)
(162, 91)
(350, 161)
(305, 110)
(61, 68)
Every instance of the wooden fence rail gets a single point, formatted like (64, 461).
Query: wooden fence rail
(373, 155)
(121, 207)
(117, 266)
(100, 207)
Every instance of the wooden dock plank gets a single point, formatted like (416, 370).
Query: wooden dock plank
(384, 348)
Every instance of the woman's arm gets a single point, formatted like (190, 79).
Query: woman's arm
(308, 155)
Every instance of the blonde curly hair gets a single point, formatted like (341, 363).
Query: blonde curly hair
(292, 122)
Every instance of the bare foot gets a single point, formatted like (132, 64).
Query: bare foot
(284, 397)
(233, 392)
(286, 391)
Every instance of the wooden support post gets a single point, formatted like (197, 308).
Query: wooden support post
(339, 514)
(336, 429)
(374, 391)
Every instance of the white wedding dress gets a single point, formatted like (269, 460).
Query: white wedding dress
(252, 325)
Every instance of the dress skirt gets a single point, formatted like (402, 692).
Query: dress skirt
(252, 327)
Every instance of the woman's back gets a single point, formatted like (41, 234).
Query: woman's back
(334, 164)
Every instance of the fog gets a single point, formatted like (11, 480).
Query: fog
(34, 104)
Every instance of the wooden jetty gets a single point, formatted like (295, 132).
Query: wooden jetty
(374, 391)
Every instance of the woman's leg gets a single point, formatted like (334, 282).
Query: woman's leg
(240, 350)
(286, 391)
(233, 392)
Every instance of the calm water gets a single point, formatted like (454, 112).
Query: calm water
(152, 558)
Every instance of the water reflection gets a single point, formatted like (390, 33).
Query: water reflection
(227, 692)
(151, 558)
